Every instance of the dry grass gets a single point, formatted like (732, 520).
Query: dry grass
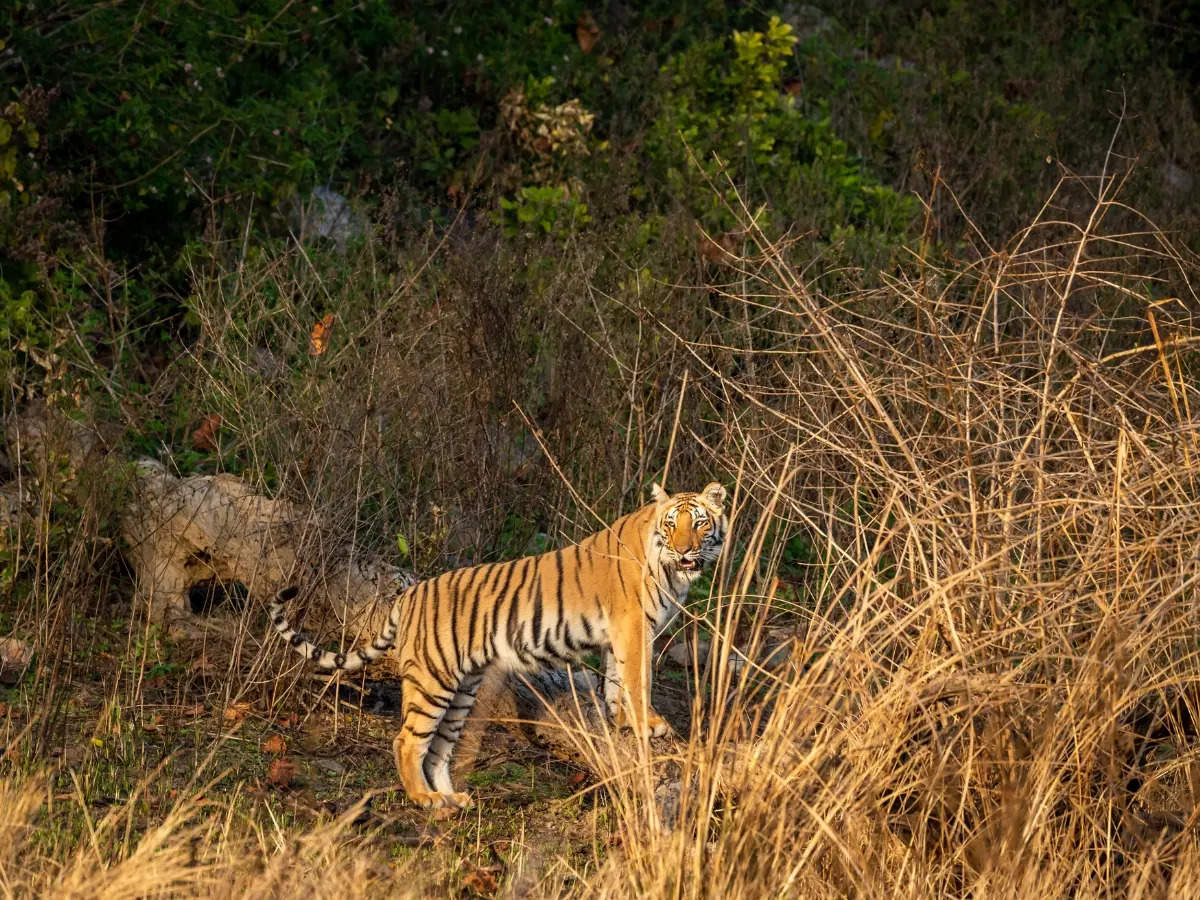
(994, 686)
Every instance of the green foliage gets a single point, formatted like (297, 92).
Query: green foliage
(442, 140)
(19, 136)
(166, 106)
(16, 318)
(167, 113)
(725, 103)
(551, 210)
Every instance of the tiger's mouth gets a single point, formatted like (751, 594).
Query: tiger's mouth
(688, 565)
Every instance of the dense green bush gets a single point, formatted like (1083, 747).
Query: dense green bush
(163, 103)
(730, 133)
(144, 147)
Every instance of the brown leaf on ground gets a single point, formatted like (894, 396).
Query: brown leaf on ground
(154, 724)
(193, 711)
(318, 339)
(235, 713)
(291, 720)
(587, 32)
(281, 772)
(275, 744)
(202, 666)
(484, 881)
(3, 709)
(205, 437)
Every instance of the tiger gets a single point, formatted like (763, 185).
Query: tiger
(611, 593)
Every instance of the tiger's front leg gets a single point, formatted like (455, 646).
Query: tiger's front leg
(629, 677)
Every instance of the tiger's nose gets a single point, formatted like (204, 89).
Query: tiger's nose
(684, 537)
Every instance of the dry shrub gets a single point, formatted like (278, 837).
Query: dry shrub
(995, 685)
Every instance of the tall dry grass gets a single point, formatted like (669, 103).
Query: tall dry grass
(995, 687)
(200, 848)
(994, 680)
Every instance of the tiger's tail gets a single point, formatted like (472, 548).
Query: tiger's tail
(327, 659)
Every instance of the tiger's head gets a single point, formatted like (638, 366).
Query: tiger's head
(690, 527)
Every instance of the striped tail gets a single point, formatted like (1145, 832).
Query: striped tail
(326, 659)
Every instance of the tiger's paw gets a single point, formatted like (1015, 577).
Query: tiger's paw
(438, 800)
(656, 725)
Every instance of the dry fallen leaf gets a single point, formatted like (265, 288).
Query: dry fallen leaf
(235, 713)
(154, 724)
(318, 340)
(205, 437)
(275, 744)
(3, 709)
(201, 665)
(196, 709)
(156, 683)
(483, 881)
(291, 720)
(587, 32)
(577, 779)
(281, 772)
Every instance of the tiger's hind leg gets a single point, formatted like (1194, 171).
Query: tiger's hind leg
(424, 710)
(612, 685)
(494, 701)
(441, 749)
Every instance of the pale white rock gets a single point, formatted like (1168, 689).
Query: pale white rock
(325, 213)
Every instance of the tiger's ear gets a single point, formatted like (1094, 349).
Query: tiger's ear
(714, 494)
(658, 495)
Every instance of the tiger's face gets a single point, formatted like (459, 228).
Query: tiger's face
(690, 527)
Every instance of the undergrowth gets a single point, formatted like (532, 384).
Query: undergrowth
(966, 495)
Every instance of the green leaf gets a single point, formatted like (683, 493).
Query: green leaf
(402, 544)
